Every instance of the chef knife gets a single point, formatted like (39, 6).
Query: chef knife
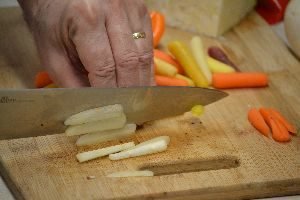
(38, 112)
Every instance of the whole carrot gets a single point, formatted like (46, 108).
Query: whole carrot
(42, 79)
(181, 52)
(187, 79)
(163, 68)
(169, 59)
(168, 81)
(256, 119)
(218, 54)
(239, 80)
(290, 127)
(158, 27)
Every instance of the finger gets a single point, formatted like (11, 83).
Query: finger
(93, 47)
(124, 48)
(144, 45)
(63, 73)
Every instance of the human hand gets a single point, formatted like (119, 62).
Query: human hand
(90, 43)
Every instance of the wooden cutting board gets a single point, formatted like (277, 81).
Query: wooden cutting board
(220, 156)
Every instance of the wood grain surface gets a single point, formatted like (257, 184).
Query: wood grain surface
(219, 156)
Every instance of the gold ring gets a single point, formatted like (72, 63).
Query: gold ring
(139, 35)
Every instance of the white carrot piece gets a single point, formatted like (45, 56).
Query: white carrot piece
(95, 114)
(104, 136)
(103, 125)
(90, 155)
(152, 146)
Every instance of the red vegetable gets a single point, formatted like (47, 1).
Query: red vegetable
(272, 10)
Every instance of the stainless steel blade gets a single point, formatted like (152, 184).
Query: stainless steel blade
(37, 112)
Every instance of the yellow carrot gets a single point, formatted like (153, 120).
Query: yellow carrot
(165, 69)
(181, 52)
(218, 67)
(200, 57)
(188, 80)
(197, 110)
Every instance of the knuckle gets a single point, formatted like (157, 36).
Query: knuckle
(127, 60)
(146, 59)
(105, 70)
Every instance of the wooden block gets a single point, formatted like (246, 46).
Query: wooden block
(211, 17)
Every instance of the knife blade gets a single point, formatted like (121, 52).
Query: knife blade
(38, 112)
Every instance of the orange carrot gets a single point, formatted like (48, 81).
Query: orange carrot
(168, 81)
(239, 80)
(158, 27)
(290, 127)
(52, 85)
(279, 132)
(256, 119)
(42, 79)
(169, 59)
(265, 113)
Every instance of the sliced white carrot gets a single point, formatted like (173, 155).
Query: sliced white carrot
(200, 57)
(102, 125)
(144, 173)
(90, 155)
(152, 146)
(95, 114)
(104, 136)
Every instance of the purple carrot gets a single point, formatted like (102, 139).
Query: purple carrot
(218, 54)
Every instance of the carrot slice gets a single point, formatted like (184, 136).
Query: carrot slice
(277, 115)
(279, 132)
(257, 120)
(42, 79)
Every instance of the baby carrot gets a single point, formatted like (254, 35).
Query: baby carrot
(188, 80)
(218, 54)
(168, 81)
(158, 27)
(239, 80)
(181, 52)
(256, 119)
(169, 59)
(279, 132)
(42, 79)
(290, 127)
(163, 68)
(197, 48)
(216, 66)
(265, 113)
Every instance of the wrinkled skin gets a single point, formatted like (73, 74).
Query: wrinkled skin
(89, 42)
